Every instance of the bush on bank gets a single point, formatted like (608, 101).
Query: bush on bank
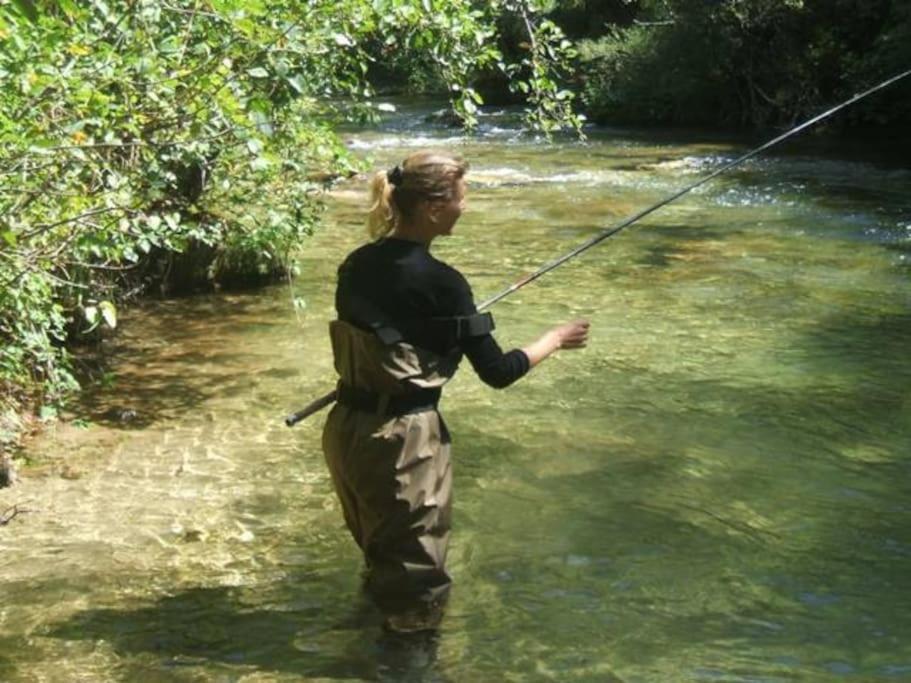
(149, 146)
(743, 63)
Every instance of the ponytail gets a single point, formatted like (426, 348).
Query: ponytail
(381, 218)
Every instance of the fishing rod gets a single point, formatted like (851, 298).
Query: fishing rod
(323, 401)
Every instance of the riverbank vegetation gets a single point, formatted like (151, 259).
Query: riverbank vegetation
(738, 63)
(731, 63)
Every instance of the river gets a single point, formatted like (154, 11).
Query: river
(717, 489)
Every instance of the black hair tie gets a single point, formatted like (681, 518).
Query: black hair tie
(395, 175)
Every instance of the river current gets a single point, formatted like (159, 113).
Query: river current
(717, 489)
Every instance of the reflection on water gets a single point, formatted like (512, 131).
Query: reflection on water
(715, 490)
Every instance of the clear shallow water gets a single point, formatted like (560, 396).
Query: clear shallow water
(717, 489)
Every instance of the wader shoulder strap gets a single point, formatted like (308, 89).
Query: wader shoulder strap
(375, 320)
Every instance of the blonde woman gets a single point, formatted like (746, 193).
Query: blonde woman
(405, 319)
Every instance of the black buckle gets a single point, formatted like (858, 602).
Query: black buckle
(388, 335)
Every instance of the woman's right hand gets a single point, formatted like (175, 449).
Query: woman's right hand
(571, 335)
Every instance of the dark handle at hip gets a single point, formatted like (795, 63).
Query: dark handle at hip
(313, 407)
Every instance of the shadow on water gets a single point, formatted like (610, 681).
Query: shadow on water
(217, 627)
(667, 251)
(139, 402)
(684, 232)
(867, 337)
(187, 356)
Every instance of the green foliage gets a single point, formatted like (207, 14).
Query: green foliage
(162, 144)
(592, 18)
(541, 70)
(747, 62)
(128, 132)
(436, 46)
(446, 46)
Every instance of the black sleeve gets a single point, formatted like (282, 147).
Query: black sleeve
(495, 368)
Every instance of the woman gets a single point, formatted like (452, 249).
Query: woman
(405, 320)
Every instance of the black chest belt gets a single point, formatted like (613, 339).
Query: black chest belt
(383, 404)
(453, 328)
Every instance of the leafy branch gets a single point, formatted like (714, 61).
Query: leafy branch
(539, 74)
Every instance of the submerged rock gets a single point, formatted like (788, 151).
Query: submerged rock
(121, 415)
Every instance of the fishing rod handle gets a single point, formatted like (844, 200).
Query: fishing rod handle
(313, 407)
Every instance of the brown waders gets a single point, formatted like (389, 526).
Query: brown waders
(387, 449)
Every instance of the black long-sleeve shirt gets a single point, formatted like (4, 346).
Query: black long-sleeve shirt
(401, 279)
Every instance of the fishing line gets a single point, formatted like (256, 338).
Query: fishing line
(329, 398)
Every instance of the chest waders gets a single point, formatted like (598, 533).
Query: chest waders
(388, 451)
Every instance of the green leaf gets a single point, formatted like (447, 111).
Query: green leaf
(254, 145)
(109, 313)
(102, 7)
(260, 164)
(258, 72)
(91, 315)
(296, 83)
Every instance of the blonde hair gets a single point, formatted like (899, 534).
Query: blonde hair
(395, 194)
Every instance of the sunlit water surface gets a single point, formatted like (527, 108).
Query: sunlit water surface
(717, 489)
